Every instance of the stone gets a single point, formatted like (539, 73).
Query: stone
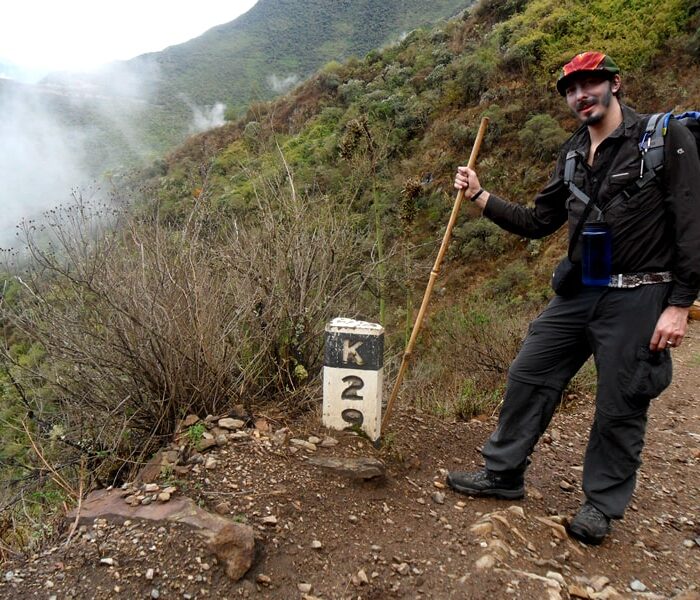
(223, 508)
(312, 439)
(578, 591)
(232, 543)
(151, 470)
(304, 588)
(149, 488)
(149, 574)
(316, 545)
(362, 577)
(210, 463)
(195, 459)
(190, 420)
(329, 442)
(155, 593)
(163, 497)
(221, 439)
(534, 493)
(403, 569)
(482, 528)
(354, 468)
(637, 586)
(308, 446)
(566, 486)
(263, 579)
(280, 436)
(439, 498)
(239, 435)
(231, 424)
(609, 593)
(206, 444)
(170, 457)
(270, 520)
(107, 561)
(487, 561)
(556, 576)
(598, 582)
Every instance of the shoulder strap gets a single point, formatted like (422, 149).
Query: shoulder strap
(569, 169)
(572, 157)
(652, 143)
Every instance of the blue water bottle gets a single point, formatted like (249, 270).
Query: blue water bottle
(596, 258)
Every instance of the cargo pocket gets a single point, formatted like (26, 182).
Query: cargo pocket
(652, 376)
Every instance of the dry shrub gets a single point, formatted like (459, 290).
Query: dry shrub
(465, 375)
(140, 323)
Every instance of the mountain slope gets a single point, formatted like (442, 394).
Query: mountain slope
(286, 39)
(255, 57)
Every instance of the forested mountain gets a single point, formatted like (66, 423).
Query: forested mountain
(213, 286)
(261, 54)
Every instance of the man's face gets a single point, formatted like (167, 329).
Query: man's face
(589, 97)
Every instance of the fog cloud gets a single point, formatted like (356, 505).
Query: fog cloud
(280, 85)
(41, 161)
(207, 117)
(61, 135)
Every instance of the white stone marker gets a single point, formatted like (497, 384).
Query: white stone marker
(353, 375)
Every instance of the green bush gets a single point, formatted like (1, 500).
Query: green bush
(547, 33)
(541, 137)
(479, 239)
(511, 282)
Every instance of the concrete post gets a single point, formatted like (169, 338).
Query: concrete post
(353, 376)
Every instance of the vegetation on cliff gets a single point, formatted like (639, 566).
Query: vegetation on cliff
(212, 288)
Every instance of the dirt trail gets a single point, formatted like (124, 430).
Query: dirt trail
(406, 536)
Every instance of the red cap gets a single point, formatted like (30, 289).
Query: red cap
(586, 63)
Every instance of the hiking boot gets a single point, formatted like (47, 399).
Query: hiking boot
(488, 483)
(589, 525)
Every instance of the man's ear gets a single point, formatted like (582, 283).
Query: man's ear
(615, 84)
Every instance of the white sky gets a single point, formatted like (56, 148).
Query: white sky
(81, 34)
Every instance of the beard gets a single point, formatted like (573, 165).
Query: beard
(604, 101)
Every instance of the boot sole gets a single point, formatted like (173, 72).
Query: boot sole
(503, 493)
(585, 537)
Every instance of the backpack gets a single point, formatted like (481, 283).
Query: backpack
(652, 143)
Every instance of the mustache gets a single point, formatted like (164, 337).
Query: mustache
(586, 103)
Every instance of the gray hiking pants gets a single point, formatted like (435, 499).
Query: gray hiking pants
(615, 325)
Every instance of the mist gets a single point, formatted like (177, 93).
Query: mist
(280, 85)
(41, 161)
(63, 135)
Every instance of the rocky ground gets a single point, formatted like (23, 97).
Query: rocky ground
(320, 533)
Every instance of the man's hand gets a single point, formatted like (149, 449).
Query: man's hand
(670, 328)
(466, 180)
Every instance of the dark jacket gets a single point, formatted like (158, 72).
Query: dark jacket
(658, 229)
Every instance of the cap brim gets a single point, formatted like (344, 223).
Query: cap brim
(564, 82)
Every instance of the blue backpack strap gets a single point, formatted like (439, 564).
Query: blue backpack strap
(652, 145)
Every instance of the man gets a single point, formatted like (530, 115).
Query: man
(629, 323)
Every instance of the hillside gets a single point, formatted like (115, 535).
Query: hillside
(322, 535)
(209, 284)
(262, 53)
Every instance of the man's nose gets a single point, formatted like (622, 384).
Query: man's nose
(580, 91)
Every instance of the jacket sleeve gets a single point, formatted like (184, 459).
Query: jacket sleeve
(682, 175)
(546, 216)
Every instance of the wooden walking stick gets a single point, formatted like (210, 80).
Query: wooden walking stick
(433, 276)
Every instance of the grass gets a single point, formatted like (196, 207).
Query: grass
(195, 433)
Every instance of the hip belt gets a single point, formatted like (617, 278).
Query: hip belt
(633, 280)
